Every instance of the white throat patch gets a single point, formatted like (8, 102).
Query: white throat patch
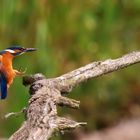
(11, 51)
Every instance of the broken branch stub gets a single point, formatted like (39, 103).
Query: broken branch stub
(42, 120)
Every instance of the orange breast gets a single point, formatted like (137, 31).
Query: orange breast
(9, 75)
(6, 68)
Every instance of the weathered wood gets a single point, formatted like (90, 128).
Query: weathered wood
(42, 120)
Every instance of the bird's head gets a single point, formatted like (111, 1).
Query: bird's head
(17, 50)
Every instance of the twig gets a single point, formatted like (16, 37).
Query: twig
(15, 113)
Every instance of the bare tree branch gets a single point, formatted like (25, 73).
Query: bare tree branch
(96, 69)
(42, 120)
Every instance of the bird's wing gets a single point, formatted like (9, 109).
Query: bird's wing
(3, 83)
(3, 86)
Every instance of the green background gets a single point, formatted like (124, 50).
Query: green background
(69, 34)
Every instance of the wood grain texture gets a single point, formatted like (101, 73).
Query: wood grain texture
(42, 120)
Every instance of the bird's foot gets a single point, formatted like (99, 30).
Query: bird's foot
(20, 72)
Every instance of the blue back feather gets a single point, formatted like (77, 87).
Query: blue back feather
(3, 86)
(15, 47)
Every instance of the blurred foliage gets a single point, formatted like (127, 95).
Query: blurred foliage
(79, 32)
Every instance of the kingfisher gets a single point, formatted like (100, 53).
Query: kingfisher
(7, 73)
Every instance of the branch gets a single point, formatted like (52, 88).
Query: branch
(96, 69)
(42, 120)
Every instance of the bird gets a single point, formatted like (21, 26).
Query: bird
(7, 73)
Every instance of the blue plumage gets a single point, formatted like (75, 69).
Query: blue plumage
(15, 47)
(3, 86)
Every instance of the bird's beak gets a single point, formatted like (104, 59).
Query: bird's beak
(29, 49)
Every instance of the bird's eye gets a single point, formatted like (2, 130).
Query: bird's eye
(20, 50)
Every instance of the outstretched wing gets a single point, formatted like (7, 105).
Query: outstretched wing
(3, 86)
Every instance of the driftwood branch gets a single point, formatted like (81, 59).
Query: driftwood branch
(42, 120)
